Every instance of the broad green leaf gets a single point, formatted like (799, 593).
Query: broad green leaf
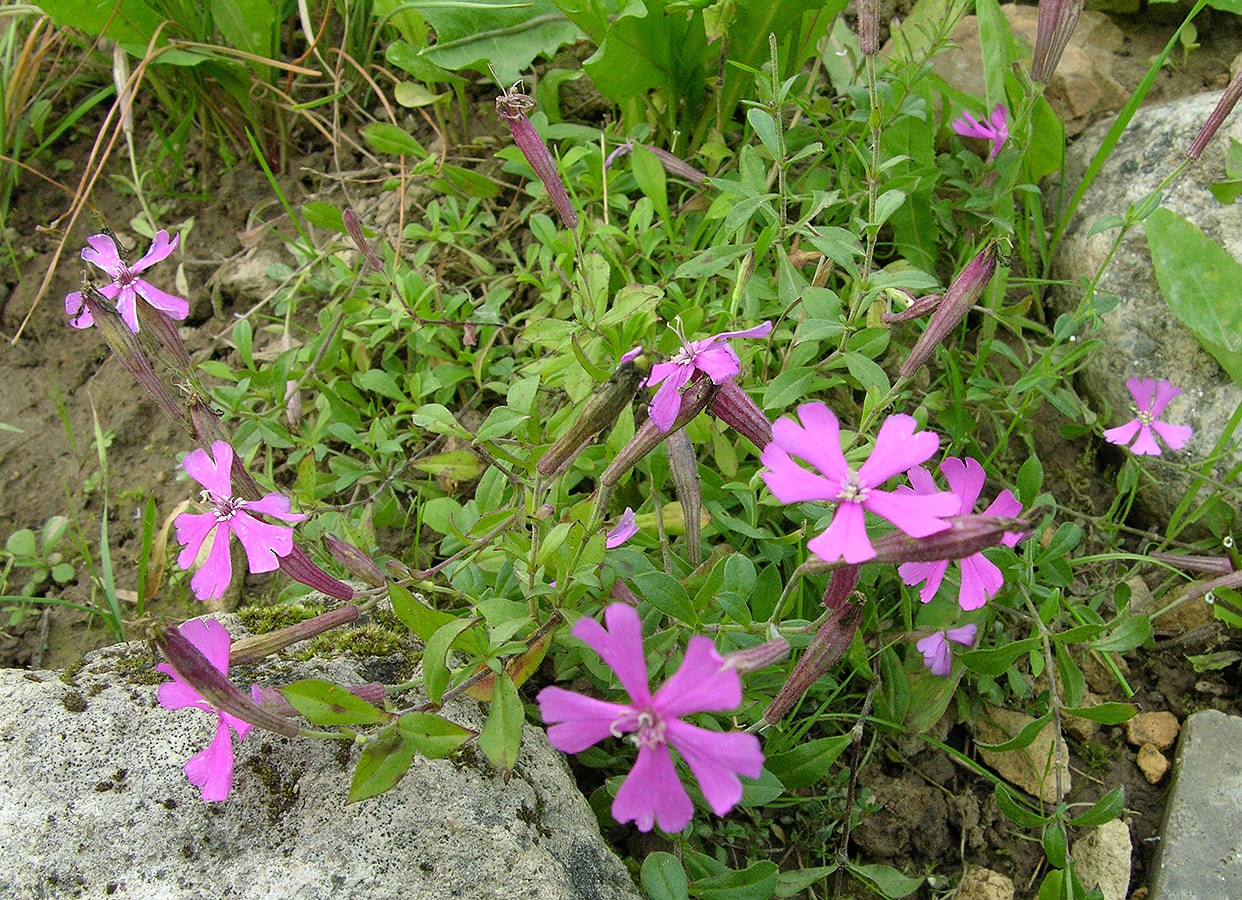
(1130, 631)
(249, 26)
(434, 736)
(1020, 740)
(377, 381)
(500, 422)
(887, 880)
(508, 35)
(1110, 713)
(808, 762)
(435, 657)
(385, 137)
(385, 760)
(1056, 847)
(459, 465)
(651, 177)
(325, 703)
(1202, 283)
(994, 662)
(667, 595)
(1016, 812)
(436, 418)
(501, 737)
(755, 882)
(127, 22)
(663, 877)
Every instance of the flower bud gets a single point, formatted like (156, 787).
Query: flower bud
(824, 652)
(684, 468)
(354, 560)
(735, 408)
(869, 27)
(212, 684)
(259, 646)
(957, 301)
(350, 218)
(752, 659)
(1212, 565)
(513, 106)
(599, 412)
(1224, 106)
(1054, 24)
(298, 566)
(695, 397)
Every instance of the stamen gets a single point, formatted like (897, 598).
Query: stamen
(853, 490)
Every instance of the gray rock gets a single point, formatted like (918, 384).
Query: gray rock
(93, 803)
(1141, 337)
(1199, 856)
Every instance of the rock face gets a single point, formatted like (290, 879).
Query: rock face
(93, 803)
(1141, 337)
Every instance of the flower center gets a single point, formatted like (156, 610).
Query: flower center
(222, 508)
(852, 489)
(648, 727)
(1145, 417)
(125, 278)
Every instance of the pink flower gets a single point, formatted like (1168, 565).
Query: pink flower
(994, 128)
(652, 792)
(262, 542)
(1150, 399)
(212, 769)
(898, 447)
(626, 528)
(937, 654)
(712, 356)
(126, 286)
(981, 579)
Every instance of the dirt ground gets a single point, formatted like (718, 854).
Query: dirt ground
(56, 380)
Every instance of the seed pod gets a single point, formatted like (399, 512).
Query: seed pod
(684, 468)
(514, 106)
(600, 412)
(256, 647)
(735, 408)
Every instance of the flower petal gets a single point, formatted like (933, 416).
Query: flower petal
(716, 759)
(102, 252)
(160, 248)
(211, 639)
(652, 793)
(212, 580)
(192, 530)
(178, 694)
(1176, 436)
(700, 684)
(718, 362)
(578, 721)
(620, 646)
(845, 537)
(1007, 506)
(898, 446)
(626, 528)
(1164, 391)
(1143, 391)
(789, 482)
(264, 543)
(817, 440)
(981, 579)
(966, 478)
(274, 504)
(1123, 434)
(964, 635)
(174, 306)
(918, 515)
(77, 311)
(757, 332)
(930, 572)
(667, 400)
(213, 474)
(1145, 444)
(936, 654)
(212, 770)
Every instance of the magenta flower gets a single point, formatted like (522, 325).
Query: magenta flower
(212, 769)
(937, 655)
(994, 128)
(712, 356)
(981, 579)
(1150, 399)
(898, 447)
(126, 286)
(652, 792)
(626, 528)
(262, 541)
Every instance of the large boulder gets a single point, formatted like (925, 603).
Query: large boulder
(1141, 337)
(93, 803)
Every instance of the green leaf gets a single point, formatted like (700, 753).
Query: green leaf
(789, 387)
(501, 737)
(459, 465)
(438, 420)
(651, 177)
(377, 381)
(663, 877)
(384, 761)
(324, 215)
(755, 882)
(508, 35)
(500, 422)
(885, 879)
(796, 883)
(1016, 812)
(433, 736)
(994, 662)
(1020, 740)
(1130, 631)
(667, 595)
(385, 137)
(1110, 713)
(1056, 847)
(22, 543)
(1202, 283)
(249, 26)
(1107, 808)
(435, 657)
(325, 703)
(808, 762)
(1072, 681)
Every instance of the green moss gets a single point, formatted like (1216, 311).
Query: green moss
(71, 671)
(363, 640)
(139, 669)
(74, 702)
(282, 794)
(262, 619)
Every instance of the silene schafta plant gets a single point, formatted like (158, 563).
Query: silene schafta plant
(850, 420)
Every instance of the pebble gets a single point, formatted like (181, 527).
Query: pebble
(979, 883)
(1152, 763)
(1156, 728)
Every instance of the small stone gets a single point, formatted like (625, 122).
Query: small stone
(1102, 857)
(1152, 763)
(979, 883)
(1030, 768)
(1157, 728)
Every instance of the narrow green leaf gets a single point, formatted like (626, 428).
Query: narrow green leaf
(385, 137)
(384, 762)
(1014, 811)
(1111, 713)
(887, 880)
(501, 737)
(435, 657)
(1020, 740)
(808, 762)
(1107, 808)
